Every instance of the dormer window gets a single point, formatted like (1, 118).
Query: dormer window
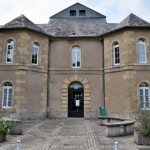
(72, 12)
(81, 12)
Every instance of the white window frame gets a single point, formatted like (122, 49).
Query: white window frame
(10, 43)
(7, 88)
(142, 55)
(114, 53)
(35, 46)
(76, 57)
(144, 97)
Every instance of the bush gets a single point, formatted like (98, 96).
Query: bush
(5, 125)
(143, 119)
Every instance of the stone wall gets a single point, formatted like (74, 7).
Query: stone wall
(29, 82)
(62, 75)
(122, 82)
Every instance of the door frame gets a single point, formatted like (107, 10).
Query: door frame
(71, 103)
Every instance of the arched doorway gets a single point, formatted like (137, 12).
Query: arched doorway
(76, 100)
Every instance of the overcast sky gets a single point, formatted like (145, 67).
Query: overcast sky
(39, 11)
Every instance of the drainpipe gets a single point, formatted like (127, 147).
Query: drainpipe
(103, 74)
(48, 79)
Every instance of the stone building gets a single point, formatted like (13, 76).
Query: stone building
(73, 65)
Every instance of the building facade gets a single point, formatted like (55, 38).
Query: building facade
(74, 65)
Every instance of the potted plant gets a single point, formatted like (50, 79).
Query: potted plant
(5, 125)
(142, 127)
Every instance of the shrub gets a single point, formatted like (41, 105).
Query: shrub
(143, 119)
(5, 125)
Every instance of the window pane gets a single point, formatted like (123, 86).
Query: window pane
(78, 64)
(116, 54)
(78, 53)
(5, 97)
(35, 49)
(7, 94)
(73, 64)
(9, 51)
(141, 99)
(9, 97)
(141, 104)
(76, 56)
(142, 52)
(5, 91)
(4, 103)
(9, 103)
(147, 105)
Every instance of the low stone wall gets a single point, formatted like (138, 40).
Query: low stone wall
(117, 126)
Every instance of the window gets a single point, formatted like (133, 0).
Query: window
(76, 57)
(142, 51)
(116, 54)
(144, 95)
(72, 12)
(7, 95)
(35, 52)
(81, 12)
(9, 51)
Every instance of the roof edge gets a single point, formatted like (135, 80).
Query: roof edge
(122, 28)
(25, 28)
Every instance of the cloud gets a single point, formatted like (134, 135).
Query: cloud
(116, 10)
(39, 11)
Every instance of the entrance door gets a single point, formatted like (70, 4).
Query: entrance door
(75, 100)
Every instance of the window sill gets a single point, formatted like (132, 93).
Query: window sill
(7, 110)
(76, 68)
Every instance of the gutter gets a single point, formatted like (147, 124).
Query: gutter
(48, 79)
(103, 74)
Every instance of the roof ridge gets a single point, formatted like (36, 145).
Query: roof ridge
(23, 22)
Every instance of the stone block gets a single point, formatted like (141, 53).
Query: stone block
(16, 129)
(87, 98)
(66, 81)
(85, 81)
(87, 110)
(64, 98)
(140, 139)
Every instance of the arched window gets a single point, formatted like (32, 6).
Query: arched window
(76, 57)
(9, 51)
(7, 95)
(116, 53)
(144, 95)
(35, 53)
(142, 51)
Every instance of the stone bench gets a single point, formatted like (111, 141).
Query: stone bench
(16, 128)
(117, 126)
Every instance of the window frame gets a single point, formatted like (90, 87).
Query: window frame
(7, 88)
(141, 42)
(35, 45)
(144, 101)
(73, 13)
(82, 12)
(75, 51)
(10, 42)
(115, 46)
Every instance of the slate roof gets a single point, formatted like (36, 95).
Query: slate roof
(77, 6)
(76, 27)
(92, 25)
(130, 21)
(63, 24)
(23, 22)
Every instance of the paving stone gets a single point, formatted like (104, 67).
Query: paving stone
(67, 134)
